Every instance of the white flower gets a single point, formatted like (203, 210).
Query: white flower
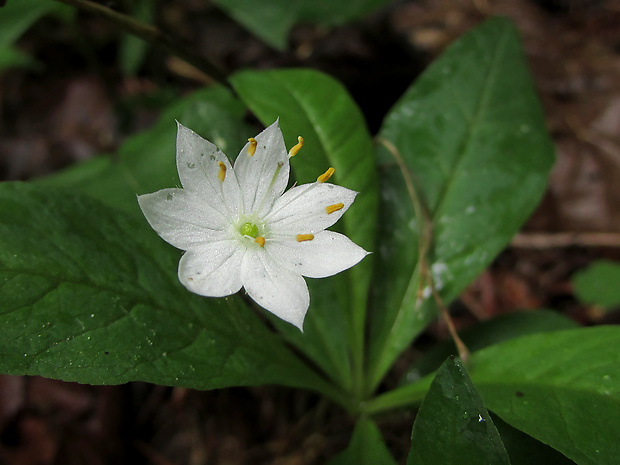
(239, 230)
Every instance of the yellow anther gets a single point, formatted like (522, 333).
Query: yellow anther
(304, 237)
(260, 240)
(297, 147)
(252, 147)
(325, 176)
(334, 208)
(222, 174)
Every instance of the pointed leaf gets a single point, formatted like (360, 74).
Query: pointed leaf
(562, 388)
(274, 19)
(471, 136)
(317, 107)
(452, 426)
(17, 16)
(90, 294)
(366, 447)
(487, 333)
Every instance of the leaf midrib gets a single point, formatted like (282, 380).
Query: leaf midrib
(413, 282)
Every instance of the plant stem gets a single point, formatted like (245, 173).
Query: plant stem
(410, 395)
(154, 36)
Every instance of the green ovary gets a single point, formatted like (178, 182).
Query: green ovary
(249, 229)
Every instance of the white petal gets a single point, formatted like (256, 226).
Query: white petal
(198, 164)
(282, 292)
(256, 173)
(325, 255)
(183, 219)
(302, 209)
(213, 269)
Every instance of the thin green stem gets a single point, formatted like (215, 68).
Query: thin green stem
(154, 36)
(410, 395)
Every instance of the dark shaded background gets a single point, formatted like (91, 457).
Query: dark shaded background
(78, 103)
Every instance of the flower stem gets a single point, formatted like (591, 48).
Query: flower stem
(153, 35)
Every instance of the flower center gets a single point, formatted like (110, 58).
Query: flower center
(249, 229)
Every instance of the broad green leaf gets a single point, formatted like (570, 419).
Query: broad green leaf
(524, 449)
(487, 333)
(15, 18)
(18, 15)
(562, 388)
(416, 381)
(273, 19)
(366, 447)
(471, 136)
(599, 284)
(452, 426)
(317, 107)
(146, 162)
(90, 294)
(132, 49)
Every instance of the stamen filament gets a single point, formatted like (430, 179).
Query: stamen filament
(273, 181)
(297, 147)
(304, 237)
(334, 208)
(325, 176)
(222, 174)
(252, 147)
(260, 240)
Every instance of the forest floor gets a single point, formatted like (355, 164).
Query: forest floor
(79, 104)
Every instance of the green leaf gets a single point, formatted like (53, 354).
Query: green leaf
(562, 388)
(15, 18)
(132, 49)
(11, 58)
(317, 107)
(452, 426)
(366, 447)
(18, 15)
(147, 161)
(599, 284)
(487, 333)
(471, 136)
(274, 19)
(91, 294)
(524, 449)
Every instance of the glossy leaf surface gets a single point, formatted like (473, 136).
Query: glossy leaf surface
(452, 426)
(562, 388)
(471, 137)
(91, 294)
(487, 333)
(317, 107)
